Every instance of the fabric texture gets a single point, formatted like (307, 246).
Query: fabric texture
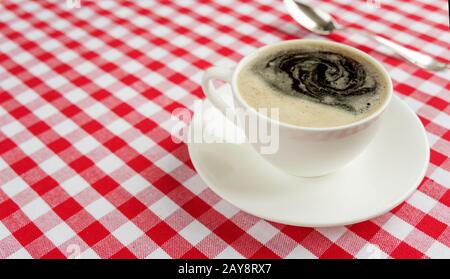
(88, 168)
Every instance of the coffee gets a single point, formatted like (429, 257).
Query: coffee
(313, 84)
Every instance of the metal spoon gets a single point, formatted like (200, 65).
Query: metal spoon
(320, 22)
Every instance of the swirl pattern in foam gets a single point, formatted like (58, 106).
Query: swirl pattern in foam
(321, 76)
(313, 84)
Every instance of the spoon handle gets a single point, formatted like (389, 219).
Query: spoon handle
(415, 57)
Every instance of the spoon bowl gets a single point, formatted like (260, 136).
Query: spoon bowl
(314, 20)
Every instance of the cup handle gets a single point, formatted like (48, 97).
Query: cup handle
(216, 73)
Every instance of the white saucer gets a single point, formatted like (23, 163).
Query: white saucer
(388, 172)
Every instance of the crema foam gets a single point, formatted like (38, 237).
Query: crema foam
(313, 84)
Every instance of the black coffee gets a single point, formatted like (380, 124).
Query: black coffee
(312, 85)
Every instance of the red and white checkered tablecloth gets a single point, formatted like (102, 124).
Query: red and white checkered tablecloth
(87, 165)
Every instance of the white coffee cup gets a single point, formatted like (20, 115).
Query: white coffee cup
(305, 151)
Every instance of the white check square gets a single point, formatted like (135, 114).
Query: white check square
(66, 56)
(126, 93)
(204, 10)
(75, 95)
(246, 29)
(168, 163)
(85, 68)
(176, 92)
(4, 232)
(163, 10)
(195, 184)
(153, 78)
(161, 31)
(141, 22)
(132, 66)
(419, 27)
(142, 144)
(99, 208)
(96, 110)
(7, 16)
(60, 234)
(57, 81)
(245, 9)
(263, 231)
(194, 232)
(432, 139)
(118, 31)
(224, 19)
(181, 41)
(135, 184)
(442, 177)
(21, 254)
(443, 119)
(105, 80)
(35, 208)
(52, 165)
(110, 163)
(19, 25)
(50, 45)
(45, 111)
(226, 208)
(100, 22)
(300, 252)
(184, 20)
(158, 254)
(397, 227)
(148, 109)
(157, 53)
(421, 201)
(87, 144)
(107, 4)
(118, 126)
(94, 43)
(76, 33)
(32, 145)
(438, 251)
(112, 55)
(89, 253)
(203, 29)
(127, 233)
(12, 128)
(370, 251)
(137, 42)
(65, 127)
(229, 253)
(413, 103)
(3, 165)
(202, 52)
(179, 65)
(405, 38)
(22, 58)
(164, 207)
(333, 233)
(398, 74)
(74, 185)
(225, 39)
(14, 186)
(39, 69)
(10, 83)
(430, 88)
